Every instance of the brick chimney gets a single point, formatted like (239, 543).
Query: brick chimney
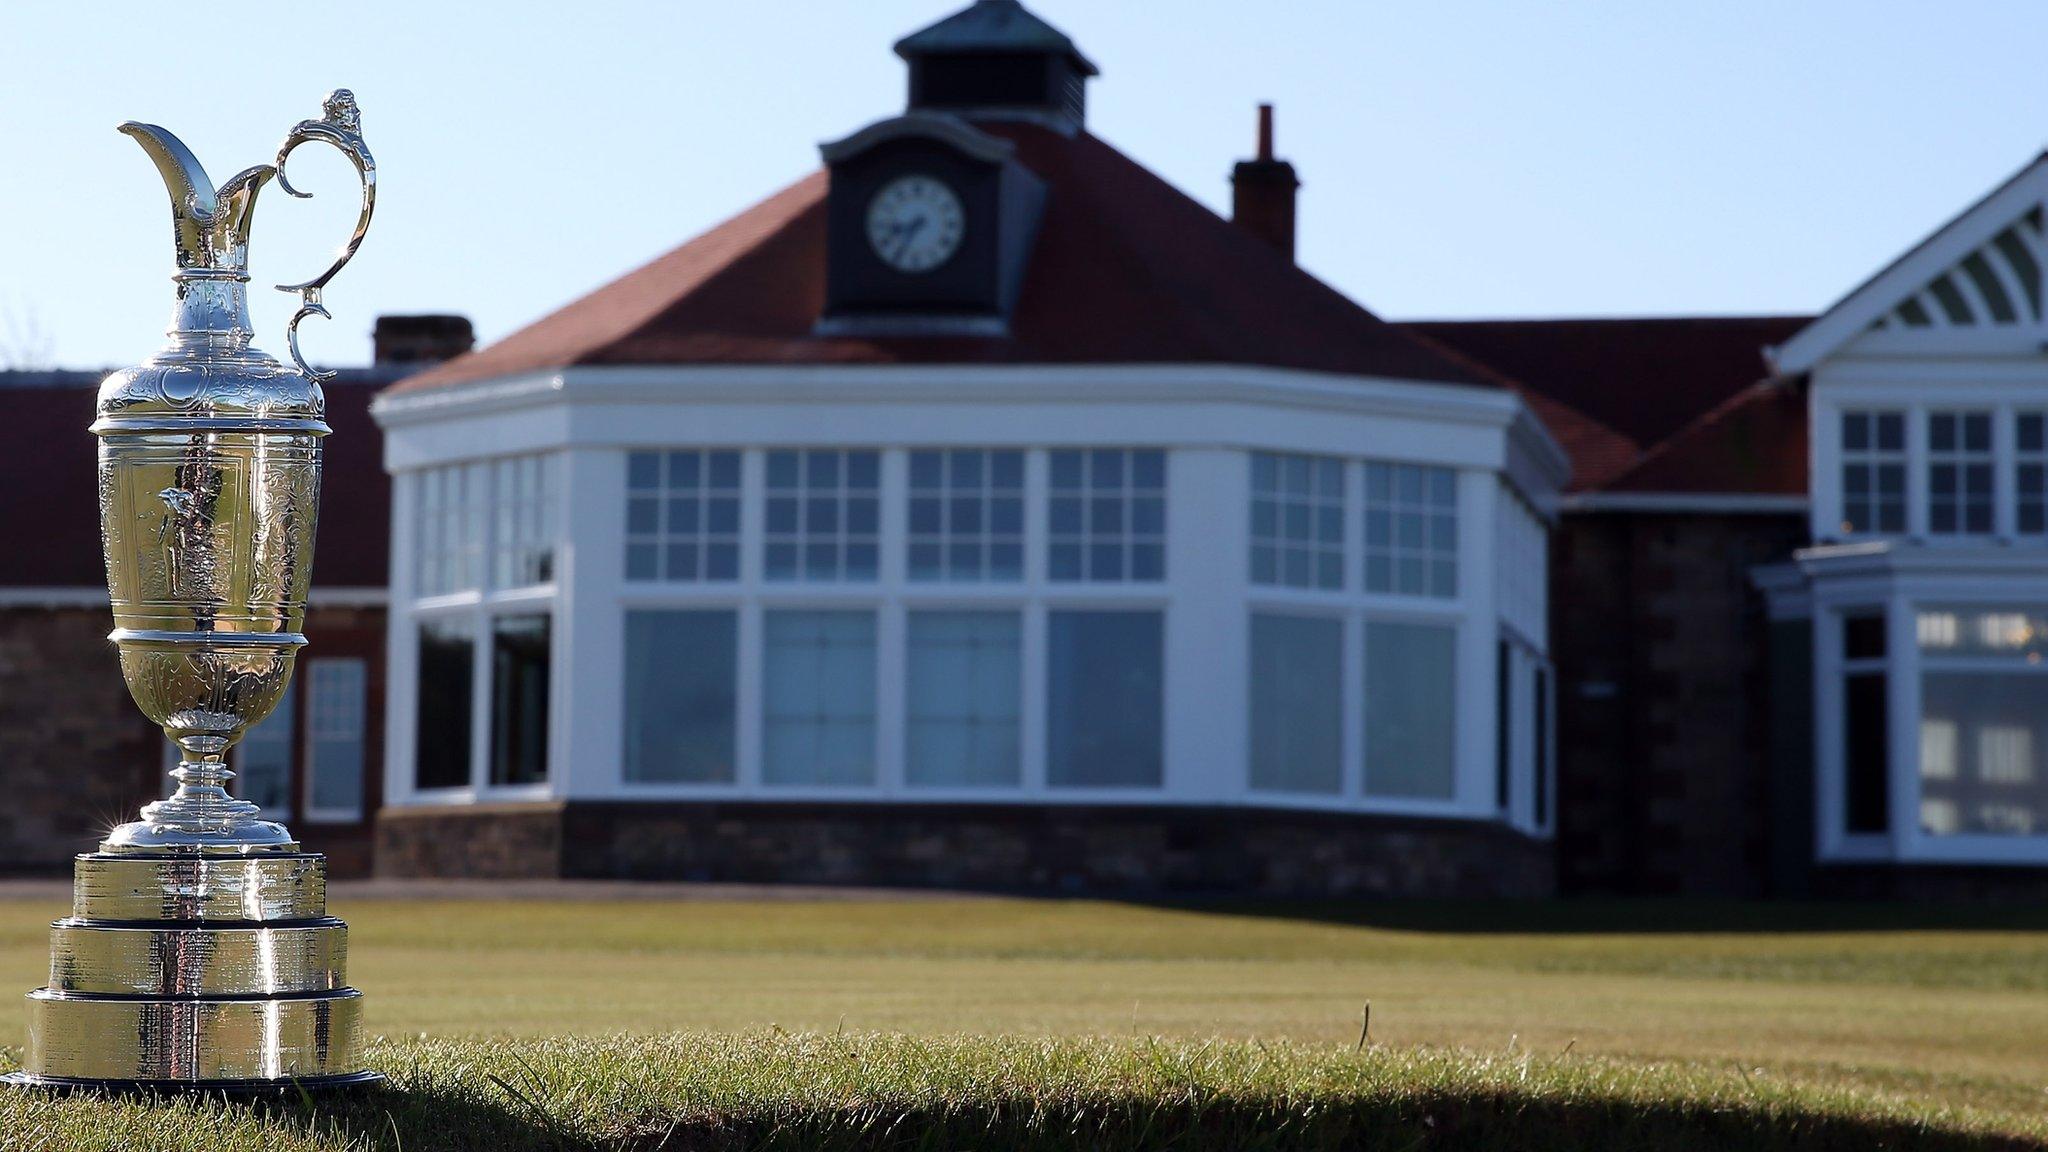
(421, 339)
(1262, 192)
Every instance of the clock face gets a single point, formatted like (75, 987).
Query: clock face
(915, 223)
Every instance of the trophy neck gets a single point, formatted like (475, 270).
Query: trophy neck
(211, 319)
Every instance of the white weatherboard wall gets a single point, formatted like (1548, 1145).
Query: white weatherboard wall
(1207, 420)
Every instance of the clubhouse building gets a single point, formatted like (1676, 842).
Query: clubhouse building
(978, 510)
(981, 510)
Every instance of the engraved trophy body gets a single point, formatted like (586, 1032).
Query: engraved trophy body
(199, 953)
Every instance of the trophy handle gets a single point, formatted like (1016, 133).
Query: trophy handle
(340, 124)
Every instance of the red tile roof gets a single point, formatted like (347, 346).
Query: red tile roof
(50, 455)
(1644, 378)
(1658, 404)
(1127, 269)
(1754, 443)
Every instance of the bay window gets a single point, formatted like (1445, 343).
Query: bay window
(1983, 721)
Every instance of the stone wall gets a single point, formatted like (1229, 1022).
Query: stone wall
(1664, 705)
(1134, 849)
(77, 757)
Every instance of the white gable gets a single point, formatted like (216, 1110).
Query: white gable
(1981, 272)
(1998, 284)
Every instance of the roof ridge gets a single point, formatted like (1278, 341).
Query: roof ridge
(1735, 402)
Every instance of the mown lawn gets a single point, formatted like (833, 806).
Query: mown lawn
(844, 1024)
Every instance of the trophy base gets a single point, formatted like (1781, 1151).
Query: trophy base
(189, 970)
(246, 838)
(234, 1089)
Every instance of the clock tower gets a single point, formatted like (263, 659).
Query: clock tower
(932, 215)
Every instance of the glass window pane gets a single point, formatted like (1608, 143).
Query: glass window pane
(519, 699)
(1123, 514)
(963, 691)
(1981, 767)
(1867, 800)
(1410, 709)
(1411, 538)
(680, 689)
(818, 698)
(441, 739)
(336, 737)
(821, 511)
(1297, 714)
(1959, 473)
(1104, 689)
(263, 759)
(1295, 516)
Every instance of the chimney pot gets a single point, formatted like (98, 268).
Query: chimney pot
(1262, 192)
(427, 339)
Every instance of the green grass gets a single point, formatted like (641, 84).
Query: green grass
(1041, 1024)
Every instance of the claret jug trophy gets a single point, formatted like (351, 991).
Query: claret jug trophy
(199, 953)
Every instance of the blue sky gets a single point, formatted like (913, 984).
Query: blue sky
(1459, 158)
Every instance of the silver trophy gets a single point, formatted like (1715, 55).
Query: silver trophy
(199, 952)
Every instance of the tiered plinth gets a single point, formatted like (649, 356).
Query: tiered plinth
(183, 971)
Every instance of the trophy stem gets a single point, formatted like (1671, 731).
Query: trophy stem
(201, 814)
(201, 803)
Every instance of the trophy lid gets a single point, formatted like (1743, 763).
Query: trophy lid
(211, 372)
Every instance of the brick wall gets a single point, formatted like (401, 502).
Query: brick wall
(1007, 847)
(1664, 755)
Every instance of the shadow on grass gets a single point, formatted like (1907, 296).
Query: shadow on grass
(1598, 916)
(413, 1120)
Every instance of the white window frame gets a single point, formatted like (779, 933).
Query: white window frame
(1961, 458)
(1488, 440)
(987, 493)
(1903, 667)
(663, 536)
(1428, 554)
(1279, 542)
(843, 538)
(2024, 457)
(477, 609)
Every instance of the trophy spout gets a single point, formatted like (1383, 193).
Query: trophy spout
(209, 227)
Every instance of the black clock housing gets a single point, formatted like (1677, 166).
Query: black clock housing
(974, 290)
